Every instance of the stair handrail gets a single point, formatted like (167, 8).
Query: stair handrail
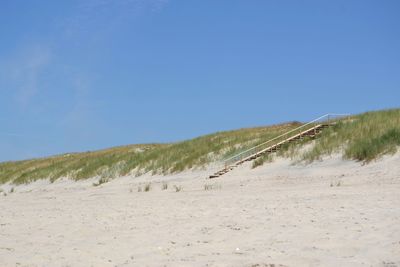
(329, 115)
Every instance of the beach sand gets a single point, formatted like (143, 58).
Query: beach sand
(328, 213)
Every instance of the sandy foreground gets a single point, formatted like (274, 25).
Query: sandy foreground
(330, 213)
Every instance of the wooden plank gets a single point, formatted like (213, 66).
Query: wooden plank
(312, 132)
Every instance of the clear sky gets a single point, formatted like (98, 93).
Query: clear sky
(79, 75)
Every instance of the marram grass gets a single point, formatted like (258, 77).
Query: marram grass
(363, 137)
(138, 159)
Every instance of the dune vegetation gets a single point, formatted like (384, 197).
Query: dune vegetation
(365, 137)
(138, 159)
(361, 137)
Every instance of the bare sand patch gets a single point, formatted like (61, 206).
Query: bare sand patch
(329, 213)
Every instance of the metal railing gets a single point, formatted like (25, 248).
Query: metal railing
(325, 119)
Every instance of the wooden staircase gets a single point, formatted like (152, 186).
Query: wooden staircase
(310, 133)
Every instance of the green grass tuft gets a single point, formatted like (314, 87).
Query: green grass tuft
(371, 148)
(164, 186)
(178, 188)
(261, 160)
(101, 181)
(147, 187)
(363, 137)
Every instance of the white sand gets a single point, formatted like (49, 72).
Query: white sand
(276, 214)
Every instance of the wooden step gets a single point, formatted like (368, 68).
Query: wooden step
(312, 133)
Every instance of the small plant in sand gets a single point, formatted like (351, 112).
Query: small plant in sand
(12, 190)
(208, 187)
(178, 188)
(147, 187)
(2, 192)
(102, 180)
(261, 160)
(338, 183)
(164, 186)
(139, 189)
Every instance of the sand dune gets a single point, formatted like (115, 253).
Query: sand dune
(330, 213)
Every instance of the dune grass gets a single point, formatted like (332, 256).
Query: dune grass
(261, 160)
(77, 166)
(138, 159)
(288, 150)
(364, 137)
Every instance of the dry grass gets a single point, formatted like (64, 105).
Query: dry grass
(178, 188)
(138, 159)
(147, 187)
(364, 138)
(208, 187)
(164, 186)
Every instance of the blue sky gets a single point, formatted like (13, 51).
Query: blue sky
(80, 75)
